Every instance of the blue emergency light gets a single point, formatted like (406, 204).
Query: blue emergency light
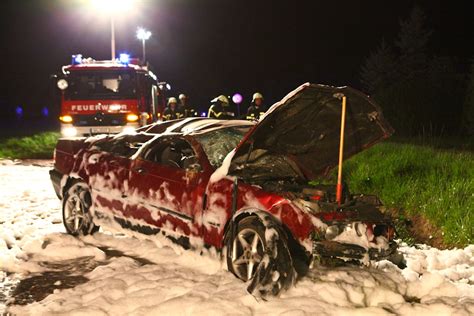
(124, 59)
(77, 59)
(19, 111)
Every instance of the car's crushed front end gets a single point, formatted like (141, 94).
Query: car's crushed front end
(356, 232)
(356, 240)
(297, 141)
(329, 252)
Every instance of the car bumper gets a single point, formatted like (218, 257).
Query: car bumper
(69, 130)
(327, 250)
(56, 177)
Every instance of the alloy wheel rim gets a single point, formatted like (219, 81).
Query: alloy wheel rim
(247, 253)
(74, 214)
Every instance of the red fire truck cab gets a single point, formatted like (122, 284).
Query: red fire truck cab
(107, 97)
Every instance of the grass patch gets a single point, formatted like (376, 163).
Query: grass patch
(39, 146)
(418, 181)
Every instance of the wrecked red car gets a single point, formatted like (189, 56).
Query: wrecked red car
(240, 187)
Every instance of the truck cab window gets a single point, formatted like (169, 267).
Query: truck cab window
(91, 85)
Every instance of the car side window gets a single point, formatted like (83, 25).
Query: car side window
(175, 153)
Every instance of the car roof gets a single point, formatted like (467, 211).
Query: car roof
(193, 125)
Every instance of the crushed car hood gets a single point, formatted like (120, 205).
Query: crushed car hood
(305, 128)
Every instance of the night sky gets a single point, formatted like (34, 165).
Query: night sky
(208, 47)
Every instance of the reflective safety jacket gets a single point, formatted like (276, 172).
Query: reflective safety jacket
(169, 114)
(189, 111)
(254, 112)
(221, 112)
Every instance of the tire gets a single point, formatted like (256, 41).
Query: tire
(76, 216)
(258, 252)
(247, 248)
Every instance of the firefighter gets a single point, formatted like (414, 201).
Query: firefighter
(172, 111)
(187, 109)
(255, 110)
(220, 108)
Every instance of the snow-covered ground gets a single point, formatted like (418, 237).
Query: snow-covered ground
(136, 276)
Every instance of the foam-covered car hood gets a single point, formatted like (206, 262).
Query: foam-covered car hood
(305, 126)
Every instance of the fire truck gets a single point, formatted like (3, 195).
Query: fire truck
(107, 97)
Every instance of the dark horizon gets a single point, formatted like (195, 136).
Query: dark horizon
(205, 48)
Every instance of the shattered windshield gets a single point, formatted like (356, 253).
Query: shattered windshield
(217, 144)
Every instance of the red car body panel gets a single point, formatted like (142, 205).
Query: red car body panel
(185, 202)
(174, 198)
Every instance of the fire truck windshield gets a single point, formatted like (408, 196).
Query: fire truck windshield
(100, 85)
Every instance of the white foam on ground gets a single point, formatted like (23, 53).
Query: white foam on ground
(179, 282)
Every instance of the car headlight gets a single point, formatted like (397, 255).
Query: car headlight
(332, 232)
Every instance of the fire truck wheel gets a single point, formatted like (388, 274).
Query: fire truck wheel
(76, 216)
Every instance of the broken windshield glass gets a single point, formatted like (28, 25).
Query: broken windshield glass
(218, 143)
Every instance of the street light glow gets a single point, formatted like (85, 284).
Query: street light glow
(143, 34)
(112, 6)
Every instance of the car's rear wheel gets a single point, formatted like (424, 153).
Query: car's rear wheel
(248, 248)
(76, 216)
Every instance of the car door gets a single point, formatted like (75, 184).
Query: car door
(167, 186)
(109, 181)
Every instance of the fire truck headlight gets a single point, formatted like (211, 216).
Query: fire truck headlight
(128, 130)
(132, 117)
(66, 118)
(69, 131)
(62, 84)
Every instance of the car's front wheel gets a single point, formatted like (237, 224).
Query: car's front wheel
(257, 251)
(248, 248)
(76, 216)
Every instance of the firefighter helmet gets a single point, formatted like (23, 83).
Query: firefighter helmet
(222, 99)
(257, 95)
(172, 100)
(182, 96)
